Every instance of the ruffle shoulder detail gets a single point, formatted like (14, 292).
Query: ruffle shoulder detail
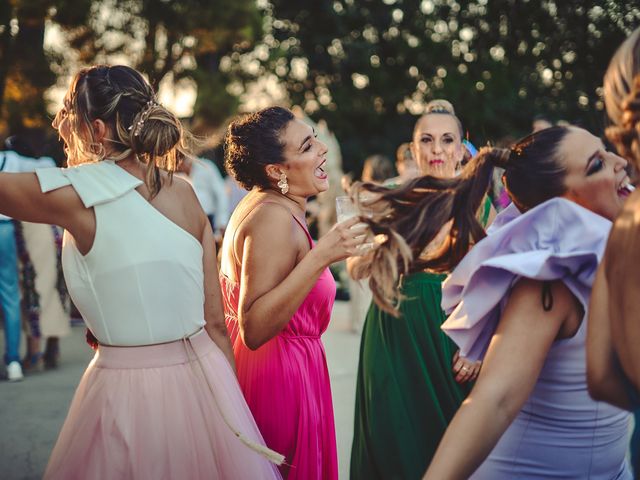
(557, 240)
(95, 183)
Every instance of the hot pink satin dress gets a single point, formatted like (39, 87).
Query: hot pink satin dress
(286, 382)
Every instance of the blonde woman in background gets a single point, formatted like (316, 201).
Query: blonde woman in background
(410, 381)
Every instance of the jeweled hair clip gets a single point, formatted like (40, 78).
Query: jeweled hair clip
(146, 110)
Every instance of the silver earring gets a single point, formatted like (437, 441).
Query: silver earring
(282, 184)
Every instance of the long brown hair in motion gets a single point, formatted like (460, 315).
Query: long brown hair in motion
(411, 217)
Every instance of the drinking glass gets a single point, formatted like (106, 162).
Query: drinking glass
(345, 208)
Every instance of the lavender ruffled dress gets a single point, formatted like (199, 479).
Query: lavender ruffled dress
(560, 431)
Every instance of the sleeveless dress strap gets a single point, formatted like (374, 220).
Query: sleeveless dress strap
(304, 228)
(302, 225)
(95, 183)
(237, 262)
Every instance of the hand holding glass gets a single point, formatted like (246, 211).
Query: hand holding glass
(346, 209)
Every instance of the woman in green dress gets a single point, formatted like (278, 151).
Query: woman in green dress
(410, 380)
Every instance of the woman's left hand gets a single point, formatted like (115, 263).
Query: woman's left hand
(465, 370)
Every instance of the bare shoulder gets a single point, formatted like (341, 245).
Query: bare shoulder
(181, 189)
(178, 183)
(269, 240)
(269, 218)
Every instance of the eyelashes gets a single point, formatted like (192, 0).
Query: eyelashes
(308, 147)
(446, 140)
(596, 165)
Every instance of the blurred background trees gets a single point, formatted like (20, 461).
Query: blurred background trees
(175, 40)
(367, 67)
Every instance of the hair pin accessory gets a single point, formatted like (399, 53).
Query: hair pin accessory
(146, 110)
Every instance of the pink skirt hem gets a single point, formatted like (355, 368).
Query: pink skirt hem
(147, 412)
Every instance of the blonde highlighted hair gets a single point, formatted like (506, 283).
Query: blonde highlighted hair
(139, 125)
(622, 98)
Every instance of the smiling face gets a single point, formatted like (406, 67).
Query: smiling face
(437, 145)
(304, 160)
(595, 178)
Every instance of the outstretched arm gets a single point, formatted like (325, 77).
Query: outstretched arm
(510, 370)
(21, 198)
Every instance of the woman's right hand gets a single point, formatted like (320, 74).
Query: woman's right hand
(345, 239)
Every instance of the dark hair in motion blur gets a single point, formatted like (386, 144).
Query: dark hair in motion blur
(411, 217)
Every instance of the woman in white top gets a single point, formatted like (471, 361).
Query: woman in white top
(160, 398)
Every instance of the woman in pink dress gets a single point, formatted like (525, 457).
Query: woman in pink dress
(277, 289)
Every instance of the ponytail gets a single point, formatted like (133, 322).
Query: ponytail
(411, 218)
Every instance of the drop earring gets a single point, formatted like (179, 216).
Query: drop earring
(282, 184)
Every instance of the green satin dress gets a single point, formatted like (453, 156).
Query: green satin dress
(406, 394)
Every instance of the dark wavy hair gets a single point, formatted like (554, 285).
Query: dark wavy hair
(411, 217)
(253, 142)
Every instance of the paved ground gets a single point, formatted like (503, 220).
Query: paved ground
(32, 411)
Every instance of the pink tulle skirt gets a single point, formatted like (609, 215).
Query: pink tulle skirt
(148, 413)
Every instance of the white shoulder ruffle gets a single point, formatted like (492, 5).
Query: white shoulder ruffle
(95, 183)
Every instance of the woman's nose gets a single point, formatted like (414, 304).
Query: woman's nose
(619, 162)
(323, 148)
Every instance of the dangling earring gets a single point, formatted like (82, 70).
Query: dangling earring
(282, 184)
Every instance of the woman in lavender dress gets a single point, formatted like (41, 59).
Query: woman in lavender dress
(519, 300)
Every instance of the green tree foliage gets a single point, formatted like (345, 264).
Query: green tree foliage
(189, 38)
(369, 66)
(177, 39)
(25, 67)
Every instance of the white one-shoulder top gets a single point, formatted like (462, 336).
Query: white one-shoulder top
(142, 281)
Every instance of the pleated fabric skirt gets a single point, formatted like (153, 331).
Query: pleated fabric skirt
(149, 413)
(406, 394)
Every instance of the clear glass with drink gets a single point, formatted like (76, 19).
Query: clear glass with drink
(345, 208)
